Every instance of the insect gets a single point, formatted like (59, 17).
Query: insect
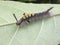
(27, 17)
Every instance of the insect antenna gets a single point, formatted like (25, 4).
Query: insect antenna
(15, 17)
(49, 9)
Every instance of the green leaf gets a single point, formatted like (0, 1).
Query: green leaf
(43, 32)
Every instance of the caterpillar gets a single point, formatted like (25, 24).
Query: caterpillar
(27, 17)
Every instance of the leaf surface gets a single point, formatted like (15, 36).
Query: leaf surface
(43, 32)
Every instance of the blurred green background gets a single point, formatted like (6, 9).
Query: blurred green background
(37, 1)
(40, 1)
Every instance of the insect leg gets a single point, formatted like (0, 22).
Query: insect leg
(28, 21)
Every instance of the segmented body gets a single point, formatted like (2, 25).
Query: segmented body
(27, 17)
